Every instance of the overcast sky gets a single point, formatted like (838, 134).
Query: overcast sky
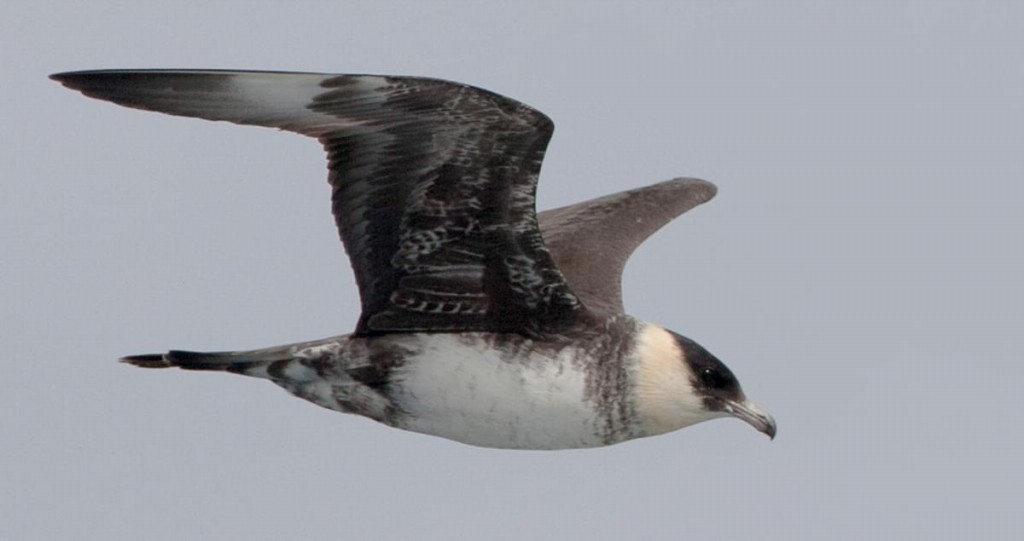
(860, 271)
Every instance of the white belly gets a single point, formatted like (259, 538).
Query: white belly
(462, 389)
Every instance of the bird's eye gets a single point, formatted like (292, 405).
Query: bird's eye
(712, 378)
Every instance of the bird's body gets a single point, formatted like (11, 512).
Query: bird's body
(487, 389)
(482, 321)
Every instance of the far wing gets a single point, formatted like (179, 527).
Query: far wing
(591, 241)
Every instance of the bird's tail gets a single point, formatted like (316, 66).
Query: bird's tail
(257, 364)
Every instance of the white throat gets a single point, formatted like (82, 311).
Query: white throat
(665, 397)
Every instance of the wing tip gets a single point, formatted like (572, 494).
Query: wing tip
(698, 188)
(83, 79)
(65, 77)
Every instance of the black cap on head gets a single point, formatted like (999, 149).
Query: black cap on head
(710, 376)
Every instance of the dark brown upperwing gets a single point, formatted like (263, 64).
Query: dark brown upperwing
(433, 183)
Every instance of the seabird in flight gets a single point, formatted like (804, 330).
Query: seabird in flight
(482, 321)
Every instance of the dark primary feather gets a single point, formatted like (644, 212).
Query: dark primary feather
(591, 241)
(433, 185)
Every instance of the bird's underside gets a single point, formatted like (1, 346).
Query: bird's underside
(476, 388)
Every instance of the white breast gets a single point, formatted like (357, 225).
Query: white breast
(460, 387)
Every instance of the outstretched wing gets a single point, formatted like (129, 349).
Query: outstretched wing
(591, 241)
(433, 185)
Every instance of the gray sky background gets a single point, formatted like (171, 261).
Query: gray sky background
(860, 271)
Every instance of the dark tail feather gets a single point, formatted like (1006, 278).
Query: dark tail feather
(150, 360)
(194, 360)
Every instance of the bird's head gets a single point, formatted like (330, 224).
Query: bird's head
(679, 383)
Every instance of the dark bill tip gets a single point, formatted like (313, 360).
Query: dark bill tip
(753, 415)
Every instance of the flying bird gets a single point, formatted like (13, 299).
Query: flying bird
(482, 321)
